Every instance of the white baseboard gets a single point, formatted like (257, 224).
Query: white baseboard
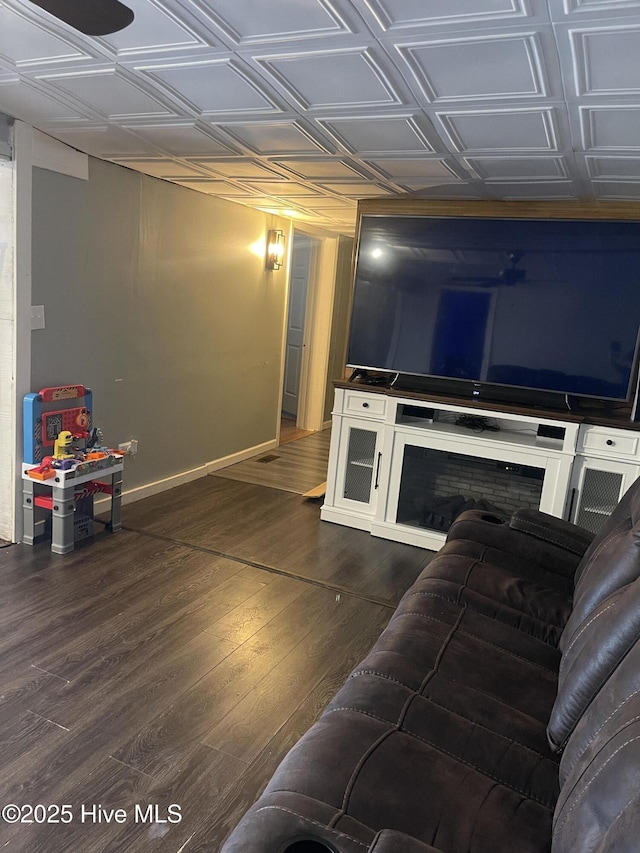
(256, 450)
(158, 486)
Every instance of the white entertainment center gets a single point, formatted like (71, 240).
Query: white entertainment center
(401, 466)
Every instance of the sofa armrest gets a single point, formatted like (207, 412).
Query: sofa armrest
(391, 841)
(553, 544)
(548, 528)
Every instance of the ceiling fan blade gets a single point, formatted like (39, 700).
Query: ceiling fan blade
(91, 17)
(482, 279)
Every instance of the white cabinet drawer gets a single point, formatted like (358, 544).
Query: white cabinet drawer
(609, 442)
(365, 405)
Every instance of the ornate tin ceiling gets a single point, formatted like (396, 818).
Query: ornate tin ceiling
(304, 106)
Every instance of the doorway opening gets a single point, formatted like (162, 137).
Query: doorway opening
(298, 329)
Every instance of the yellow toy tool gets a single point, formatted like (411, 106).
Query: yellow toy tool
(61, 445)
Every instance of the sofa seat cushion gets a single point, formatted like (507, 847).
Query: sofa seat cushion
(500, 590)
(529, 770)
(479, 669)
(376, 774)
(513, 564)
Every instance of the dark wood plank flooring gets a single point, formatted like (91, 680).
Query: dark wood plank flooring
(278, 530)
(177, 661)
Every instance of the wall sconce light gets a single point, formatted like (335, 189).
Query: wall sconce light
(275, 249)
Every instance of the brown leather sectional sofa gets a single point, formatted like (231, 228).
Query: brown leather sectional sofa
(499, 711)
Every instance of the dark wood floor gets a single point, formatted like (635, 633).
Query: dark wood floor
(177, 661)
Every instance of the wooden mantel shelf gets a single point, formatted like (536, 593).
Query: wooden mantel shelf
(620, 419)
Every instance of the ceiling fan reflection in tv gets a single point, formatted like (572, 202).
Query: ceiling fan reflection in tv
(91, 17)
(509, 276)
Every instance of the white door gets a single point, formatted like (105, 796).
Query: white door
(296, 316)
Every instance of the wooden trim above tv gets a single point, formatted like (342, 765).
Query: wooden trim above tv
(501, 209)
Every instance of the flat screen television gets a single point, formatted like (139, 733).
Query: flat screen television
(551, 306)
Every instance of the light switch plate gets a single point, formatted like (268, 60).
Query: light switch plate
(37, 316)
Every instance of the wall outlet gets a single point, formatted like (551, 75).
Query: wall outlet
(37, 317)
(129, 447)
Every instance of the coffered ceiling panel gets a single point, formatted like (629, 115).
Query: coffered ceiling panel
(23, 41)
(611, 128)
(108, 93)
(108, 142)
(533, 190)
(357, 190)
(621, 168)
(156, 28)
(181, 140)
(304, 106)
(617, 189)
(439, 188)
(411, 167)
(161, 168)
(590, 8)
(463, 69)
(379, 134)
(22, 98)
(282, 188)
(524, 168)
(211, 86)
(349, 78)
(327, 202)
(607, 61)
(313, 170)
(501, 130)
(203, 185)
(408, 13)
(242, 169)
(281, 137)
(248, 22)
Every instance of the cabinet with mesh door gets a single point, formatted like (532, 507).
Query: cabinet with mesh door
(597, 486)
(357, 472)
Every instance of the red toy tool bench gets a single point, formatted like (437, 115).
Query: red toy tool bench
(63, 489)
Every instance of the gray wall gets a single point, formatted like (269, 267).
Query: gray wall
(155, 301)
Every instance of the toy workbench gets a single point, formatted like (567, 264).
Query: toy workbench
(64, 468)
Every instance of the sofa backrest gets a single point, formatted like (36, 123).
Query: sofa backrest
(605, 620)
(595, 650)
(599, 800)
(610, 562)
